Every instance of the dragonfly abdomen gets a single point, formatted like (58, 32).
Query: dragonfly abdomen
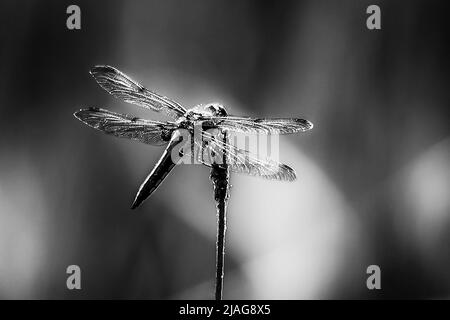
(159, 172)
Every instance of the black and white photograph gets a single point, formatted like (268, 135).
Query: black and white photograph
(202, 151)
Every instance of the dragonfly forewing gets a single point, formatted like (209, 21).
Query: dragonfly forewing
(123, 87)
(262, 126)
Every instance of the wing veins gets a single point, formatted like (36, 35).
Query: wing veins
(126, 126)
(242, 161)
(123, 87)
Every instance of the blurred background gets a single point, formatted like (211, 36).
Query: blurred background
(374, 173)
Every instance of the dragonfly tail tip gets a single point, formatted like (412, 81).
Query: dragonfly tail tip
(134, 205)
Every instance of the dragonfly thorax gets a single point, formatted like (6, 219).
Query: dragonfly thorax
(207, 110)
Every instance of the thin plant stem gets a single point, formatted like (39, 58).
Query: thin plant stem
(220, 177)
(221, 228)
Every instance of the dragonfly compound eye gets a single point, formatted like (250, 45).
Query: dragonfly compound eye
(217, 110)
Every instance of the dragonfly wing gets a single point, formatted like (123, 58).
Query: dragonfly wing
(242, 161)
(123, 87)
(267, 169)
(125, 126)
(264, 126)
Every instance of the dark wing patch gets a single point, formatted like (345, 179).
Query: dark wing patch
(125, 126)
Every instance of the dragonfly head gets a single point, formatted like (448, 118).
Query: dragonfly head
(210, 109)
(216, 109)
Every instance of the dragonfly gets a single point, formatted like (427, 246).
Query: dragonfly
(208, 116)
(216, 128)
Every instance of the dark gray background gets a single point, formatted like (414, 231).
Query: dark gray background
(374, 173)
